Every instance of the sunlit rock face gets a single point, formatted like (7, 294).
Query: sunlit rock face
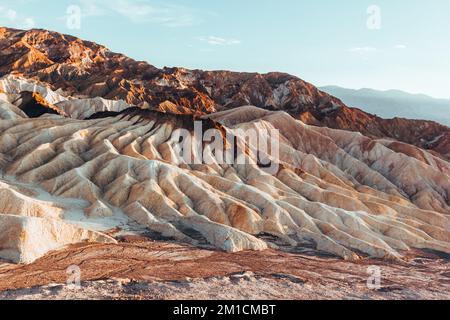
(24, 239)
(87, 146)
(63, 67)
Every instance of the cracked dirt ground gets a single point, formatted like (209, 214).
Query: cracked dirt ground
(138, 268)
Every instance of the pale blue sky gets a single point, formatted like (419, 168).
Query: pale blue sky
(322, 41)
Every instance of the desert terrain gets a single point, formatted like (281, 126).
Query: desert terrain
(91, 178)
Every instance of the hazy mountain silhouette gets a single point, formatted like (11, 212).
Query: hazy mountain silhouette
(394, 103)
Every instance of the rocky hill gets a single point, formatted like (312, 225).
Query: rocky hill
(85, 69)
(87, 152)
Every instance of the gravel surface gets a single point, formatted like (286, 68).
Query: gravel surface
(140, 269)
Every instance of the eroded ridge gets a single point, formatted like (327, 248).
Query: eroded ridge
(336, 191)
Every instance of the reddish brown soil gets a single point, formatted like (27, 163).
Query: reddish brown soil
(146, 261)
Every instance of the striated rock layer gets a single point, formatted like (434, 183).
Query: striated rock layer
(336, 191)
(88, 145)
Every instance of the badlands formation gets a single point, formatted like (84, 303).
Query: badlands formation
(87, 147)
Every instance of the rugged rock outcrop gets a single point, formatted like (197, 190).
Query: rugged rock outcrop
(85, 69)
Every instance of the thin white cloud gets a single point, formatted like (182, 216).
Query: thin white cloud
(217, 41)
(141, 11)
(362, 49)
(12, 18)
(400, 47)
(92, 8)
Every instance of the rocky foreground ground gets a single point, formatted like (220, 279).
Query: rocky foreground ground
(138, 268)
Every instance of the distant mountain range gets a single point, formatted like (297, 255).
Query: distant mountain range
(394, 103)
